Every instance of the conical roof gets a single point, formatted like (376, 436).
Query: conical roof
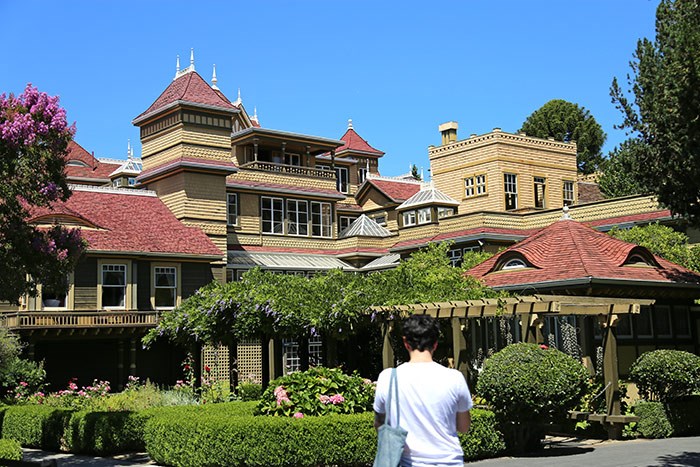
(355, 143)
(363, 226)
(428, 196)
(188, 88)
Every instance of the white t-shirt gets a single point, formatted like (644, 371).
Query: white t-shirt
(430, 396)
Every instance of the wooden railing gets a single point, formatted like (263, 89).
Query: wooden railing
(18, 320)
(289, 169)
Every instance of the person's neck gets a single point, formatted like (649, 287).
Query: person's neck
(420, 356)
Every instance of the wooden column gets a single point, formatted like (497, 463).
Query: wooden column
(120, 364)
(272, 359)
(610, 370)
(255, 149)
(532, 328)
(132, 356)
(333, 159)
(459, 345)
(387, 350)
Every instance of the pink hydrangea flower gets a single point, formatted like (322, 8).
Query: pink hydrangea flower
(325, 400)
(337, 399)
(298, 415)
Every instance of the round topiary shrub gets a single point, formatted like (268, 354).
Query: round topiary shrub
(318, 391)
(664, 375)
(528, 386)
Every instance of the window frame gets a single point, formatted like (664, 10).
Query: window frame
(273, 221)
(297, 219)
(177, 286)
(566, 201)
(469, 187)
(409, 218)
(512, 184)
(321, 225)
(101, 264)
(425, 219)
(233, 214)
(69, 301)
(349, 219)
(481, 186)
(537, 182)
(342, 181)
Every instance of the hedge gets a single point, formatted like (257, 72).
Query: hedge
(676, 418)
(280, 441)
(10, 450)
(105, 433)
(36, 426)
(665, 375)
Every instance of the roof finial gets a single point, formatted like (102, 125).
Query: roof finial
(214, 80)
(177, 67)
(192, 58)
(349, 123)
(255, 114)
(239, 101)
(566, 214)
(129, 153)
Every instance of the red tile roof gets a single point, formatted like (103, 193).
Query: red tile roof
(354, 142)
(189, 87)
(395, 190)
(633, 218)
(348, 207)
(589, 192)
(130, 221)
(94, 170)
(569, 250)
(324, 192)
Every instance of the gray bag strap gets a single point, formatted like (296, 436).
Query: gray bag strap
(393, 386)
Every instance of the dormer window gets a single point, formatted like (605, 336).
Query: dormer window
(639, 257)
(514, 264)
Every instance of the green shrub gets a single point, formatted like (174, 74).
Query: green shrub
(318, 391)
(214, 438)
(663, 375)
(484, 440)
(524, 382)
(10, 450)
(653, 422)
(105, 433)
(684, 415)
(36, 426)
(249, 391)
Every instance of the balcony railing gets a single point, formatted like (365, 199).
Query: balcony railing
(289, 169)
(18, 320)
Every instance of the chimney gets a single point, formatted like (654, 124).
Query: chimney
(449, 132)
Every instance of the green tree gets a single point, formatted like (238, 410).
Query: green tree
(617, 178)
(663, 241)
(662, 107)
(566, 121)
(34, 136)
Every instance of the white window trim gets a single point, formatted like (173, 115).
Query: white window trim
(426, 219)
(409, 218)
(321, 225)
(272, 219)
(230, 196)
(70, 297)
(297, 212)
(340, 170)
(178, 285)
(127, 292)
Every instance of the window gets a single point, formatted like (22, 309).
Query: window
(662, 320)
(643, 324)
(117, 182)
(320, 219)
(114, 286)
(341, 175)
(480, 184)
(272, 215)
(362, 174)
(540, 184)
(424, 216)
(568, 193)
(469, 187)
(681, 321)
(510, 187)
(55, 297)
(165, 285)
(232, 208)
(409, 218)
(292, 159)
(344, 222)
(445, 212)
(297, 217)
(455, 257)
(514, 264)
(380, 219)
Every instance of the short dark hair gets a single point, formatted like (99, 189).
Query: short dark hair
(421, 332)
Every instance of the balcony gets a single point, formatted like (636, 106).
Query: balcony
(289, 169)
(75, 320)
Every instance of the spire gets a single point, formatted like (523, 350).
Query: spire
(214, 80)
(129, 151)
(349, 123)
(192, 59)
(255, 114)
(177, 68)
(238, 101)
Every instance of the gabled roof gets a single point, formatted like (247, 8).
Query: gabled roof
(363, 226)
(130, 166)
(568, 251)
(397, 191)
(355, 143)
(132, 222)
(428, 196)
(83, 166)
(188, 88)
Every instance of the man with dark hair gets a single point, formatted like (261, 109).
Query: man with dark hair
(434, 401)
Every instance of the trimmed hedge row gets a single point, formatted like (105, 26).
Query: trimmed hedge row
(36, 426)
(105, 433)
(663, 420)
(10, 450)
(279, 441)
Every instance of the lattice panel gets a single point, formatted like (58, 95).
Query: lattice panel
(217, 359)
(250, 361)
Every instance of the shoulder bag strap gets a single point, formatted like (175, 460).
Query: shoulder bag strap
(393, 387)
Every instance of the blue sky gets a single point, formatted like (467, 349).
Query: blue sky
(397, 68)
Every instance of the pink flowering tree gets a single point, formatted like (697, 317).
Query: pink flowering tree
(34, 136)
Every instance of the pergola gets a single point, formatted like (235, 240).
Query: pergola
(532, 310)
